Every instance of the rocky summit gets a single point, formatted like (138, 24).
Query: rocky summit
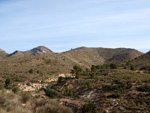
(40, 50)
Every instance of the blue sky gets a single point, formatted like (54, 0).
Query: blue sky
(64, 24)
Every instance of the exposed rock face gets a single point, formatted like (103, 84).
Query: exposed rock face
(31, 87)
(41, 50)
(3, 53)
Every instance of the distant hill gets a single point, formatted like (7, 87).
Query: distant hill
(143, 61)
(90, 56)
(47, 63)
(40, 50)
(3, 53)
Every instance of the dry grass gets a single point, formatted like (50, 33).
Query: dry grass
(13, 103)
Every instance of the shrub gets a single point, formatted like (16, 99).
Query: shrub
(52, 93)
(8, 81)
(93, 75)
(89, 85)
(17, 79)
(93, 68)
(129, 85)
(132, 67)
(113, 66)
(88, 108)
(30, 71)
(25, 97)
(77, 71)
(15, 90)
(116, 95)
(144, 88)
(139, 82)
(60, 79)
(69, 92)
(48, 106)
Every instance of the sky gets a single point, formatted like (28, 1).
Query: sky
(62, 25)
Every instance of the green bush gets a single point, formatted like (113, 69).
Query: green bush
(60, 79)
(69, 92)
(115, 95)
(8, 82)
(113, 66)
(88, 108)
(92, 75)
(76, 71)
(89, 85)
(52, 93)
(132, 67)
(15, 90)
(31, 71)
(144, 88)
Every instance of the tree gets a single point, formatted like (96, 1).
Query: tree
(77, 71)
(113, 66)
(93, 68)
(60, 79)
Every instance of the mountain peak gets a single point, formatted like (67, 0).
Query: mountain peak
(40, 50)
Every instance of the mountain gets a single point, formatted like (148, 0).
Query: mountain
(89, 56)
(3, 53)
(40, 50)
(57, 63)
(143, 61)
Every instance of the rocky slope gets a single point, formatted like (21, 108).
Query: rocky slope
(40, 50)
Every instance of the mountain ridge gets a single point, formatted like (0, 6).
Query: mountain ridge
(40, 50)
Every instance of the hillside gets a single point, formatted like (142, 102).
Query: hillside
(40, 50)
(3, 53)
(89, 56)
(142, 62)
(56, 63)
(38, 81)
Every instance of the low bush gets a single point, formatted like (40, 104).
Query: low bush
(144, 88)
(115, 95)
(52, 93)
(89, 108)
(25, 97)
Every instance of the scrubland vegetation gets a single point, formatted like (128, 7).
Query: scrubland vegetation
(101, 88)
(98, 87)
